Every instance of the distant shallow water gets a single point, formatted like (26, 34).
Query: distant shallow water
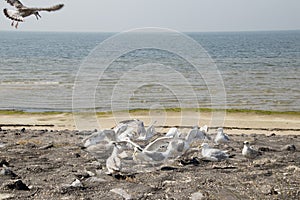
(260, 71)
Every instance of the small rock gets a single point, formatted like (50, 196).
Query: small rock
(48, 146)
(96, 179)
(289, 147)
(17, 185)
(293, 168)
(6, 196)
(3, 162)
(265, 149)
(197, 196)
(122, 193)
(263, 161)
(23, 130)
(271, 135)
(76, 183)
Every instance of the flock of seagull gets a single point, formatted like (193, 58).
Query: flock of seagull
(22, 11)
(130, 140)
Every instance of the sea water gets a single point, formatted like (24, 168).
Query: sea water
(259, 70)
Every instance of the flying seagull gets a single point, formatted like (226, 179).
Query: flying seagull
(23, 11)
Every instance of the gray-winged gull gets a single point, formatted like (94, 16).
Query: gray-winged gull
(24, 11)
(113, 163)
(213, 154)
(249, 152)
(221, 137)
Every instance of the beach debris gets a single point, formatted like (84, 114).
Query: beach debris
(122, 193)
(268, 190)
(7, 172)
(249, 152)
(266, 149)
(212, 154)
(288, 147)
(47, 146)
(221, 137)
(17, 185)
(24, 11)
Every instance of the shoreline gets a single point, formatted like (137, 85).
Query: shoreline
(233, 110)
(234, 121)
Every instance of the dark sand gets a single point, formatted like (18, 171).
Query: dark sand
(47, 162)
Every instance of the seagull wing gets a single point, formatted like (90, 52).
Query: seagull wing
(49, 9)
(15, 3)
(13, 15)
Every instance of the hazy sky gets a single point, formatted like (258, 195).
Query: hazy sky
(181, 15)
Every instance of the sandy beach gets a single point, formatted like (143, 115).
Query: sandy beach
(234, 122)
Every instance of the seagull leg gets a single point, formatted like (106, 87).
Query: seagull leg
(12, 23)
(17, 24)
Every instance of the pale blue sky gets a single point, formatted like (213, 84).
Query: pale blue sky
(181, 15)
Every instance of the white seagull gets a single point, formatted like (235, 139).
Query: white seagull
(221, 137)
(249, 152)
(213, 154)
(113, 163)
(24, 11)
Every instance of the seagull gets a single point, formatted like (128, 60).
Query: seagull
(221, 137)
(134, 128)
(113, 163)
(150, 153)
(249, 152)
(98, 137)
(23, 11)
(198, 133)
(213, 154)
(173, 132)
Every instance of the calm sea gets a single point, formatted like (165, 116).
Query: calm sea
(260, 71)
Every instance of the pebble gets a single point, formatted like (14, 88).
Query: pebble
(4, 196)
(76, 183)
(96, 180)
(47, 146)
(289, 147)
(122, 193)
(197, 196)
(17, 185)
(3, 162)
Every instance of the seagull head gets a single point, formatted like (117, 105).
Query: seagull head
(204, 145)
(220, 130)
(246, 143)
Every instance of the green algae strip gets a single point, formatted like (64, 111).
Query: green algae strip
(142, 111)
